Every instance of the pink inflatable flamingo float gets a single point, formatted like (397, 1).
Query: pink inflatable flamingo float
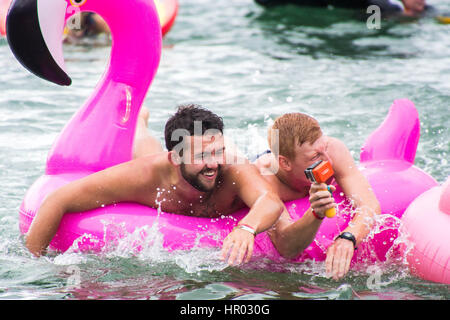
(101, 134)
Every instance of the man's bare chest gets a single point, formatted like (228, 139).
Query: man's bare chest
(203, 206)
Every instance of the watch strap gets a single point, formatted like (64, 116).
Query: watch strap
(347, 236)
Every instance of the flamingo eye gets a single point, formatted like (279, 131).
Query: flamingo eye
(77, 3)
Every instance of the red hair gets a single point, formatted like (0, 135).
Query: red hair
(294, 129)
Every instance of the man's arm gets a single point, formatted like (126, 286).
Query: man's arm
(265, 209)
(265, 205)
(292, 237)
(358, 190)
(124, 182)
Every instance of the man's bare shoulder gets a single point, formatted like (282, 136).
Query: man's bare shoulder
(343, 163)
(266, 164)
(235, 175)
(335, 144)
(264, 161)
(249, 176)
(152, 165)
(233, 171)
(338, 150)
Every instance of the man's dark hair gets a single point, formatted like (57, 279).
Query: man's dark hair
(185, 117)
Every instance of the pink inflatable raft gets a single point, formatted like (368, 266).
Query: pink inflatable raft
(101, 134)
(427, 221)
(396, 183)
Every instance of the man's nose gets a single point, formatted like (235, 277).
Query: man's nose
(212, 164)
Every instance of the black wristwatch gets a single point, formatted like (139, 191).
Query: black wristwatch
(347, 236)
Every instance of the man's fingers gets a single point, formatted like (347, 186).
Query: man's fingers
(241, 253)
(323, 205)
(249, 251)
(319, 195)
(340, 269)
(233, 254)
(315, 187)
(226, 248)
(349, 260)
(338, 260)
(329, 260)
(238, 246)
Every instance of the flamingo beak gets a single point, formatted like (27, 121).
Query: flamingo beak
(34, 30)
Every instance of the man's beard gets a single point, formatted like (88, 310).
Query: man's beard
(194, 179)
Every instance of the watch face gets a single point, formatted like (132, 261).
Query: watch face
(348, 235)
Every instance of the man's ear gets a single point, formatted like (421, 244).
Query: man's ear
(285, 163)
(174, 158)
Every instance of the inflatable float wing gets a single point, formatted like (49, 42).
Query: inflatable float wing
(101, 135)
(167, 12)
(427, 221)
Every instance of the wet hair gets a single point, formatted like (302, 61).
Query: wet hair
(294, 129)
(185, 118)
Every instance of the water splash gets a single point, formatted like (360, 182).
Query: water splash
(146, 243)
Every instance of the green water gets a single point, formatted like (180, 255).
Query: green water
(249, 66)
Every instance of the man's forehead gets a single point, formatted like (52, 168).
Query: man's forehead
(308, 147)
(206, 140)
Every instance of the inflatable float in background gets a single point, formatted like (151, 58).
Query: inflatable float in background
(101, 133)
(427, 223)
(4, 5)
(384, 5)
(167, 12)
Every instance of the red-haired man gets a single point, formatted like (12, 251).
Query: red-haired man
(300, 144)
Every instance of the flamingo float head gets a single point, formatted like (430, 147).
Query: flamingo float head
(35, 29)
(101, 133)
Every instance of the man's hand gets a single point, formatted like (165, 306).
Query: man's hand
(339, 256)
(321, 199)
(340, 253)
(413, 7)
(238, 246)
